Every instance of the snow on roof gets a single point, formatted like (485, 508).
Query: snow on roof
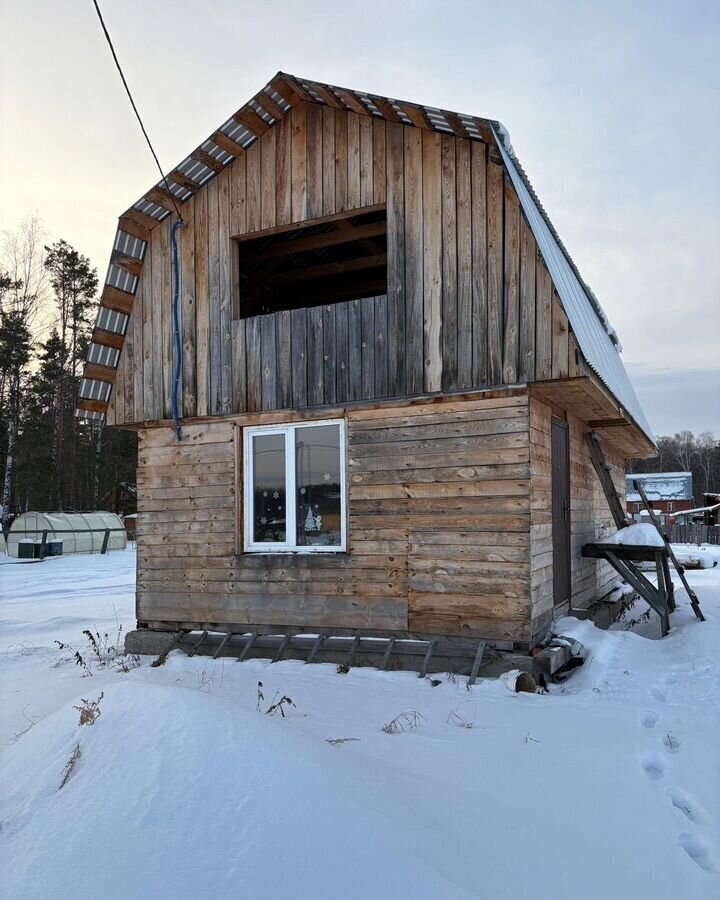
(661, 486)
(698, 510)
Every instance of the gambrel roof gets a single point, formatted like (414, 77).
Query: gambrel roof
(596, 339)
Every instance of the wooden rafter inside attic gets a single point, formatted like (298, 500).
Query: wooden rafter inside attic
(325, 261)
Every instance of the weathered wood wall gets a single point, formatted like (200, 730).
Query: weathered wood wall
(439, 526)
(590, 515)
(469, 301)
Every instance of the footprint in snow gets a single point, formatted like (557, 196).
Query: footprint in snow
(649, 719)
(671, 742)
(653, 766)
(659, 694)
(697, 850)
(687, 806)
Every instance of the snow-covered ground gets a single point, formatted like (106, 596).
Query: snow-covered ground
(607, 787)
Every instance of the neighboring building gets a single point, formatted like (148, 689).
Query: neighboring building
(389, 366)
(668, 492)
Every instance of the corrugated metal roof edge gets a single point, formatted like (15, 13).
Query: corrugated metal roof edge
(637, 415)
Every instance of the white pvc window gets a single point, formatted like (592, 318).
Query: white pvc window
(295, 488)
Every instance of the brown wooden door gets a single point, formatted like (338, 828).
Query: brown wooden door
(561, 511)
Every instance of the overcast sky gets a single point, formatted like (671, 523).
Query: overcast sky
(612, 107)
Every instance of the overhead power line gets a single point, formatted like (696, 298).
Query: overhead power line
(135, 109)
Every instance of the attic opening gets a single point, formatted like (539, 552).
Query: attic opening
(328, 260)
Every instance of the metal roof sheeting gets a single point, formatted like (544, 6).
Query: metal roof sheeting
(588, 324)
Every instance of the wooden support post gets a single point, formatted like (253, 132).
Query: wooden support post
(43, 545)
(106, 539)
(197, 646)
(222, 644)
(281, 649)
(353, 648)
(248, 644)
(388, 653)
(662, 592)
(315, 647)
(694, 602)
(426, 660)
(603, 472)
(476, 663)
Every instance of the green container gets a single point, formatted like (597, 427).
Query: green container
(26, 550)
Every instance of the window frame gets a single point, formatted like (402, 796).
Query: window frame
(290, 546)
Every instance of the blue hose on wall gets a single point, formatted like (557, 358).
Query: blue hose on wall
(176, 323)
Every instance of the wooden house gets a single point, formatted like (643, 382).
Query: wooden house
(669, 492)
(388, 368)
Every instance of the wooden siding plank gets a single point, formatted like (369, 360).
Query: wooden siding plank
(202, 302)
(189, 361)
(298, 117)
(298, 348)
(254, 187)
(329, 161)
(495, 273)
(284, 359)
(479, 272)
(268, 176)
(238, 195)
(268, 345)
(526, 350)
(329, 354)
(394, 148)
(560, 337)
(341, 160)
(367, 330)
(226, 289)
(354, 350)
(432, 261)
(463, 214)
(353, 176)
(314, 136)
(342, 352)
(511, 283)
(378, 161)
(414, 296)
(239, 366)
(145, 300)
(214, 300)
(381, 346)
(254, 363)
(450, 298)
(366, 161)
(283, 169)
(543, 321)
(315, 381)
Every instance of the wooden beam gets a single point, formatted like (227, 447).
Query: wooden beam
(136, 229)
(333, 268)
(307, 223)
(92, 405)
(184, 181)
(227, 144)
(210, 162)
(96, 372)
(453, 120)
(603, 472)
(114, 298)
(386, 108)
(350, 100)
(608, 423)
(107, 338)
(141, 218)
(375, 287)
(128, 263)
(416, 114)
(264, 100)
(286, 90)
(325, 95)
(252, 121)
(161, 197)
(302, 245)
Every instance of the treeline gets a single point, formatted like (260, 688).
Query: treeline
(686, 452)
(49, 459)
